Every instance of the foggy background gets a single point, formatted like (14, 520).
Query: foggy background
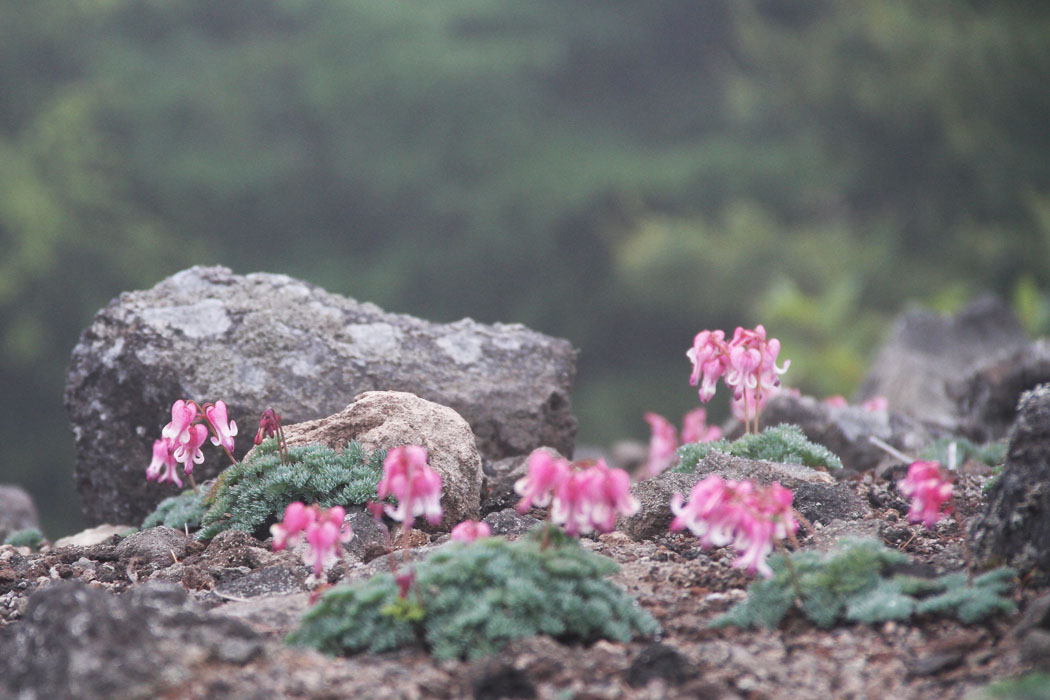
(621, 174)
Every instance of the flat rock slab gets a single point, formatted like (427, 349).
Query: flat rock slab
(265, 340)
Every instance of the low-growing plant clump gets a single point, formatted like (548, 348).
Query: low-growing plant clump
(29, 537)
(474, 598)
(858, 582)
(785, 443)
(183, 511)
(259, 489)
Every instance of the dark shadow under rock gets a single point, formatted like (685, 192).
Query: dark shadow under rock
(659, 661)
(497, 485)
(494, 680)
(822, 503)
(1014, 527)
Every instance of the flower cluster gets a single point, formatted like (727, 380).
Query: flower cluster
(324, 531)
(929, 488)
(414, 483)
(182, 438)
(664, 440)
(872, 405)
(470, 530)
(751, 518)
(581, 499)
(747, 363)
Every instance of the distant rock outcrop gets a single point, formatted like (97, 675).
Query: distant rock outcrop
(264, 340)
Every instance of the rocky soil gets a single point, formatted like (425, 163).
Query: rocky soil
(158, 614)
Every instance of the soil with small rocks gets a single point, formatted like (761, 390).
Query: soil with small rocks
(236, 576)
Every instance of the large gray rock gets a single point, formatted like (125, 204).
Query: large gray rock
(1014, 527)
(988, 395)
(17, 511)
(82, 642)
(266, 340)
(926, 352)
(382, 420)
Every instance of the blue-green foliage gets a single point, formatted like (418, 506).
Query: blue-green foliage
(785, 443)
(1031, 686)
(479, 596)
(992, 453)
(29, 537)
(854, 582)
(258, 489)
(182, 511)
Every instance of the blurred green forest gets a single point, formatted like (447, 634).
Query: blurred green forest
(620, 173)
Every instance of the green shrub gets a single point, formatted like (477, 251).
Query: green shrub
(854, 582)
(29, 537)
(785, 443)
(249, 494)
(477, 597)
(182, 511)
(1031, 686)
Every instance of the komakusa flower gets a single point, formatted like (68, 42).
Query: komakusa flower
(324, 531)
(415, 485)
(188, 452)
(709, 356)
(470, 530)
(225, 428)
(722, 512)
(162, 468)
(545, 472)
(696, 429)
(929, 489)
(662, 444)
(183, 413)
(612, 496)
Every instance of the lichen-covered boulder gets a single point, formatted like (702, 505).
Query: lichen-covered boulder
(382, 420)
(1014, 527)
(264, 340)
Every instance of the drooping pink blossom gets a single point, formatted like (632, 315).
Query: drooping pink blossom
(752, 371)
(162, 468)
(415, 485)
(836, 401)
(612, 496)
(219, 419)
(269, 424)
(470, 530)
(183, 413)
(189, 452)
(662, 444)
(929, 489)
(752, 519)
(545, 472)
(875, 404)
(709, 356)
(324, 531)
(696, 429)
(573, 501)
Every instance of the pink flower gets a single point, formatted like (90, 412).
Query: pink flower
(163, 459)
(469, 530)
(709, 356)
(876, 403)
(753, 373)
(269, 424)
(183, 413)
(324, 531)
(752, 519)
(573, 501)
(696, 429)
(415, 485)
(662, 444)
(836, 401)
(189, 451)
(545, 472)
(612, 496)
(220, 421)
(929, 488)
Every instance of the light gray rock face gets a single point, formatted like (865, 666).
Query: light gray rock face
(17, 511)
(1014, 527)
(264, 340)
(382, 420)
(926, 352)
